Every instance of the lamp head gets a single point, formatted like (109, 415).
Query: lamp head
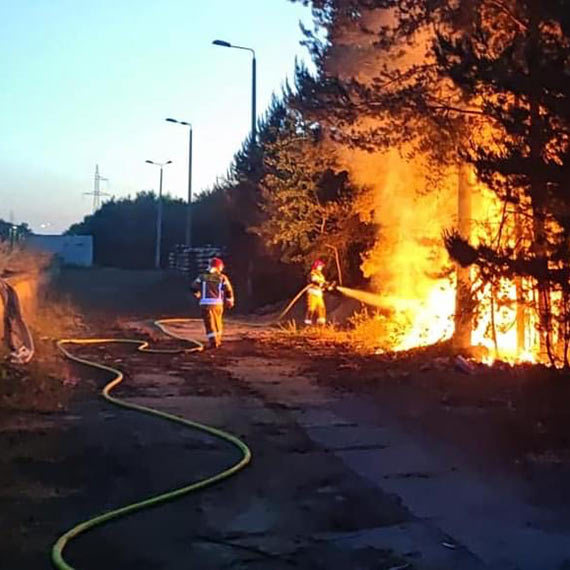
(222, 43)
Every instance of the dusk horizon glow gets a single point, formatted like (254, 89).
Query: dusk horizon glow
(87, 85)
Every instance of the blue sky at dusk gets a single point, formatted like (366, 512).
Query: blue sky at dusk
(86, 82)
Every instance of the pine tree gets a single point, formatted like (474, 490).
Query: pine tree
(308, 201)
(379, 88)
(516, 62)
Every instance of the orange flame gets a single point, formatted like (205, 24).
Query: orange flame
(411, 270)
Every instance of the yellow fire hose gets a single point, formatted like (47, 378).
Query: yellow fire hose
(290, 305)
(57, 549)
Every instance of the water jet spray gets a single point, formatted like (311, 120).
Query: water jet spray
(363, 296)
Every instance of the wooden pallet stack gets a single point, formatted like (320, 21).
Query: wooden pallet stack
(190, 261)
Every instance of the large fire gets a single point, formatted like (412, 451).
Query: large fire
(411, 271)
(409, 267)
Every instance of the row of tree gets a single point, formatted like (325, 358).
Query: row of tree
(285, 200)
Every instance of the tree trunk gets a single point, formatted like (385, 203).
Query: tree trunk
(537, 186)
(521, 316)
(463, 301)
(521, 312)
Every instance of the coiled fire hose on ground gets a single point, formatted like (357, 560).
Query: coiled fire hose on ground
(57, 549)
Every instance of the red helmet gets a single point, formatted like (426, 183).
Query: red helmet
(318, 264)
(216, 263)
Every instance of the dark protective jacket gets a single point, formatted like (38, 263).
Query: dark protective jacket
(213, 288)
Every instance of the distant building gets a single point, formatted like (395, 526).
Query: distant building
(71, 249)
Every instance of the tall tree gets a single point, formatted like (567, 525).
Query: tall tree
(250, 260)
(379, 87)
(124, 230)
(309, 204)
(517, 62)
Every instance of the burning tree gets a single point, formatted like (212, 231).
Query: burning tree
(463, 83)
(516, 63)
(395, 117)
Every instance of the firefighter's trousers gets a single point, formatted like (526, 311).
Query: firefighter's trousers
(316, 309)
(212, 317)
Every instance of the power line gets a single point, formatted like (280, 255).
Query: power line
(97, 189)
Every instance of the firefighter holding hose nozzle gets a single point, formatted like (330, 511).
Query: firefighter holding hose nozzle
(316, 308)
(215, 292)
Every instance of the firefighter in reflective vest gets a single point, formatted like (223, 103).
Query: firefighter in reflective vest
(316, 309)
(215, 292)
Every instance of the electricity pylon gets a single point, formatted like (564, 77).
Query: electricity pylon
(97, 189)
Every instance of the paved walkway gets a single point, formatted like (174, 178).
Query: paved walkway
(337, 482)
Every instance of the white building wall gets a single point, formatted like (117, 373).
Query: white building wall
(72, 249)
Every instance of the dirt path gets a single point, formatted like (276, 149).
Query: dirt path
(456, 500)
(60, 468)
(338, 481)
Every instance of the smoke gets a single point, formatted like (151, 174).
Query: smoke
(410, 271)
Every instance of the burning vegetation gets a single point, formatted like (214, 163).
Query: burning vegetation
(429, 149)
(449, 122)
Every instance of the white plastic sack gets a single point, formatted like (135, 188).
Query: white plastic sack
(17, 336)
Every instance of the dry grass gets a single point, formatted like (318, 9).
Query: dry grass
(46, 383)
(367, 332)
(372, 331)
(57, 319)
(20, 260)
(328, 334)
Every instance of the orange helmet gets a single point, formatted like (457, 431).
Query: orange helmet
(217, 263)
(318, 264)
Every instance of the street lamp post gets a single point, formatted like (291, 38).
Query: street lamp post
(223, 43)
(158, 214)
(188, 240)
(13, 235)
